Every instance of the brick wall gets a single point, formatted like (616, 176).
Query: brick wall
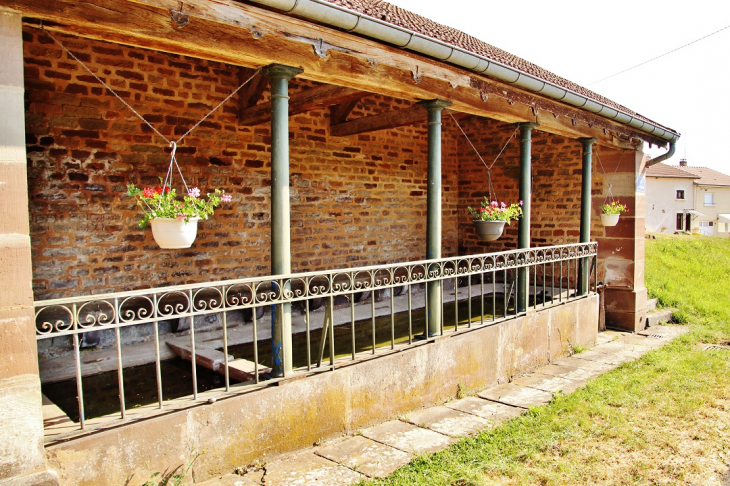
(356, 200)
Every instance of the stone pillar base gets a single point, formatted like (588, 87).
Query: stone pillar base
(625, 309)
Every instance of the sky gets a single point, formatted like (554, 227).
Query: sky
(587, 40)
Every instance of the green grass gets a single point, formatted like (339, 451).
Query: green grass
(663, 419)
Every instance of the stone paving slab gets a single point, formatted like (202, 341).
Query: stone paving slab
(517, 396)
(408, 437)
(607, 336)
(494, 412)
(448, 421)
(364, 455)
(668, 332)
(308, 469)
(640, 340)
(616, 358)
(551, 384)
(229, 480)
(577, 370)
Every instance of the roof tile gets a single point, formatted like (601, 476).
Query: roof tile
(664, 170)
(397, 16)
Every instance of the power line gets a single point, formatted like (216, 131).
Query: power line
(660, 56)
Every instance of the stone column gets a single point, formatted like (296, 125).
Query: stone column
(433, 204)
(621, 248)
(22, 457)
(585, 212)
(281, 339)
(523, 235)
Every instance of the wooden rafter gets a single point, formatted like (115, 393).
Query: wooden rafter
(301, 102)
(252, 92)
(339, 113)
(384, 121)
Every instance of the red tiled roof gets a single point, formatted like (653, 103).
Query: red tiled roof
(664, 170)
(397, 16)
(707, 177)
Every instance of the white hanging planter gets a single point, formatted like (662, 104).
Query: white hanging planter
(609, 219)
(171, 233)
(488, 230)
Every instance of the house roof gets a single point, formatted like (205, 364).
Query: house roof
(707, 177)
(669, 171)
(399, 17)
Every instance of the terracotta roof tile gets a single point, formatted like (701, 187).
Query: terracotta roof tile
(664, 170)
(708, 177)
(417, 23)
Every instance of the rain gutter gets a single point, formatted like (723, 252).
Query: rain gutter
(358, 23)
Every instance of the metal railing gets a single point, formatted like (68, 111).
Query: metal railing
(474, 290)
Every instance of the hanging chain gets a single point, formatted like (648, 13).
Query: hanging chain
(490, 187)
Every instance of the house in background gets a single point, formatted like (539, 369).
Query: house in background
(712, 199)
(686, 198)
(670, 203)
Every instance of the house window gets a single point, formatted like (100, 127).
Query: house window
(709, 199)
(680, 193)
(680, 221)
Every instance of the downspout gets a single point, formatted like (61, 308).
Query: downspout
(663, 157)
(351, 21)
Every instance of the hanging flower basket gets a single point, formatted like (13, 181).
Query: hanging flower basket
(610, 213)
(490, 218)
(175, 221)
(488, 230)
(610, 219)
(171, 233)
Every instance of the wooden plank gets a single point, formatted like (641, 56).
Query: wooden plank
(211, 359)
(301, 102)
(245, 35)
(384, 121)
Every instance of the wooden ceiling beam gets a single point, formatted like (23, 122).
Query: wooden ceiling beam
(384, 121)
(236, 33)
(302, 102)
(251, 93)
(339, 113)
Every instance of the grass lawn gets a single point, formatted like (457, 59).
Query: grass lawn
(663, 419)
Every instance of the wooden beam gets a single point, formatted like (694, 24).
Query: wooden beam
(236, 33)
(301, 102)
(339, 113)
(252, 92)
(384, 121)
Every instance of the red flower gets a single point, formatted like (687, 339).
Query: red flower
(148, 192)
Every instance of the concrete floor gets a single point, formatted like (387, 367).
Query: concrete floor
(379, 450)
